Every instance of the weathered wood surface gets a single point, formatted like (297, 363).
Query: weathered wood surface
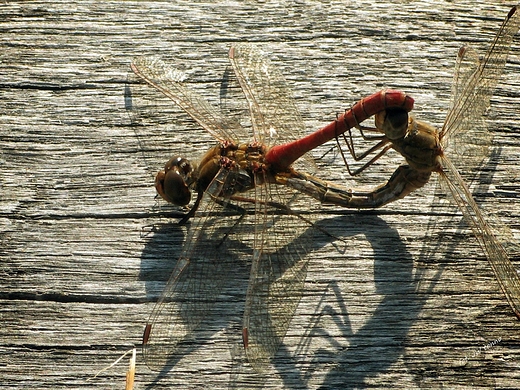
(408, 300)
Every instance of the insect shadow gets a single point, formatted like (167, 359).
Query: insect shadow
(389, 323)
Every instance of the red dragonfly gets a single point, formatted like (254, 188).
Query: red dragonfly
(243, 177)
(424, 148)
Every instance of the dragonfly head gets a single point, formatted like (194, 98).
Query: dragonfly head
(173, 183)
(393, 122)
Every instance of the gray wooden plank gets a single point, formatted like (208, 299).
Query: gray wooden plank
(406, 299)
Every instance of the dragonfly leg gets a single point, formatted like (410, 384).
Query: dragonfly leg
(381, 144)
(396, 117)
(350, 140)
(234, 207)
(393, 123)
(192, 211)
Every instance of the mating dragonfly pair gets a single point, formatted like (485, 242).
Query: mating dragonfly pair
(263, 172)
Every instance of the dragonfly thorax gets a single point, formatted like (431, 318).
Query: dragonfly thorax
(420, 146)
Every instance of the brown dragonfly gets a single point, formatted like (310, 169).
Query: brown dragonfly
(425, 150)
(243, 198)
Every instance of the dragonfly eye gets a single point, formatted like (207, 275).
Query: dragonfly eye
(393, 122)
(181, 165)
(172, 183)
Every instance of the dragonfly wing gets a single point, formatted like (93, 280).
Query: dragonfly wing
(502, 267)
(278, 272)
(141, 104)
(475, 81)
(274, 116)
(168, 81)
(466, 131)
(196, 282)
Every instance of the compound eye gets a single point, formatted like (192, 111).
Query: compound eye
(172, 184)
(393, 122)
(181, 165)
(176, 189)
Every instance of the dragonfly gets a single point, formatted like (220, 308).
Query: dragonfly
(233, 180)
(425, 150)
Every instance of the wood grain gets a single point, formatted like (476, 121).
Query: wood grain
(406, 300)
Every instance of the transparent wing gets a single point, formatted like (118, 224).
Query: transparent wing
(502, 267)
(232, 100)
(147, 113)
(474, 81)
(167, 80)
(280, 256)
(465, 132)
(469, 140)
(278, 272)
(275, 118)
(204, 264)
